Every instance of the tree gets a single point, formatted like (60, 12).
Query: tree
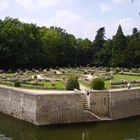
(28, 45)
(99, 38)
(98, 47)
(119, 48)
(134, 50)
(135, 32)
(59, 46)
(84, 47)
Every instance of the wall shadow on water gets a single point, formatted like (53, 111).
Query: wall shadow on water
(126, 129)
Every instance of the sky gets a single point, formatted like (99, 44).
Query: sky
(81, 18)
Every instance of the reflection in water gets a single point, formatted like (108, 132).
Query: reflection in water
(85, 135)
(132, 138)
(3, 137)
(127, 129)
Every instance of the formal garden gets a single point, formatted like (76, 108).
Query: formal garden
(59, 78)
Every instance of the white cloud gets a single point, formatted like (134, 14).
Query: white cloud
(34, 4)
(127, 22)
(31, 4)
(104, 8)
(120, 1)
(74, 24)
(31, 20)
(127, 25)
(3, 5)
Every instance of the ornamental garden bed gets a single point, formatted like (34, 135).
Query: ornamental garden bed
(55, 79)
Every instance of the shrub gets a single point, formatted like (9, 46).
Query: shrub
(107, 69)
(34, 76)
(72, 83)
(85, 72)
(97, 84)
(17, 84)
(53, 83)
(135, 71)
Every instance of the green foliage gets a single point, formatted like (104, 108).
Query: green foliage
(35, 76)
(98, 48)
(24, 45)
(107, 69)
(17, 84)
(119, 49)
(97, 84)
(72, 83)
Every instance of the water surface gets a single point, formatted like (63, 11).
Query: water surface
(126, 129)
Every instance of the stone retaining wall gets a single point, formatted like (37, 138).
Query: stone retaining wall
(124, 103)
(99, 103)
(18, 104)
(57, 107)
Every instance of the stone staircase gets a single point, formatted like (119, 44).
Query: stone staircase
(86, 109)
(85, 103)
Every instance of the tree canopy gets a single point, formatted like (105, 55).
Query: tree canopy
(24, 45)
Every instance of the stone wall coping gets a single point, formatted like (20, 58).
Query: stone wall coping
(37, 92)
(56, 92)
(113, 90)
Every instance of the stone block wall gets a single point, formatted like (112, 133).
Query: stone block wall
(57, 107)
(61, 108)
(99, 103)
(43, 107)
(124, 103)
(18, 104)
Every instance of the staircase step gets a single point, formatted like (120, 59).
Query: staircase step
(85, 105)
(105, 118)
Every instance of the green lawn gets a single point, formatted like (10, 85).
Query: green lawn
(7, 74)
(58, 85)
(125, 77)
(118, 78)
(43, 85)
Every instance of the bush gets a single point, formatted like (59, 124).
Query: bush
(72, 83)
(135, 71)
(97, 84)
(107, 69)
(35, 77)
(17, 84)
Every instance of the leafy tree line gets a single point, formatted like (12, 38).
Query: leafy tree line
(24, 45)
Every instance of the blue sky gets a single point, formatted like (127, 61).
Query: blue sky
(79, 17)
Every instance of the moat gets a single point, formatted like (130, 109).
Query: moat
(125, 129)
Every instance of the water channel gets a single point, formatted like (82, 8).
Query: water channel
(125, 129)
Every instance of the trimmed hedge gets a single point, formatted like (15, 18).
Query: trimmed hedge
(17, 84)
(72, 83)
(97, 84)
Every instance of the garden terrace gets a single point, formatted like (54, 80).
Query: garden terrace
(55, 79)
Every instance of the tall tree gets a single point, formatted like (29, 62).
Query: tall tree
(134, 50)
(119, 48)
(98, 47)
(84, 47)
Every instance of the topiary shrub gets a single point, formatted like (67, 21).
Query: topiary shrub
(17, 84)
(97, 84)
(107, 69)
(72, 83)
(34, 76)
